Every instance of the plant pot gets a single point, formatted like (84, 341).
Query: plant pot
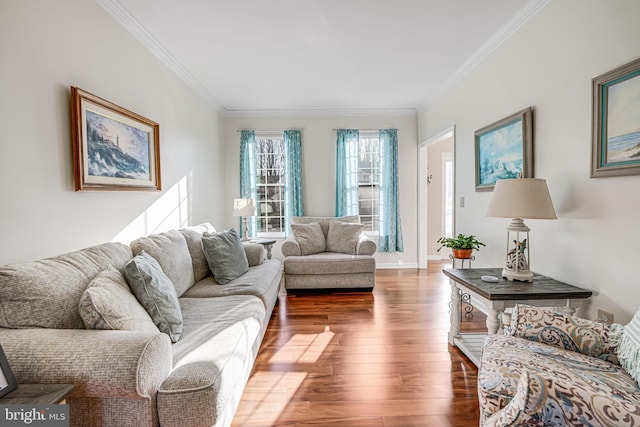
(462, 253)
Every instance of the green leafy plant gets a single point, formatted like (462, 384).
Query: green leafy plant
(460, 242)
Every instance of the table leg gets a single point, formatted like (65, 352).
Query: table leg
(454, 308)
(268, 251)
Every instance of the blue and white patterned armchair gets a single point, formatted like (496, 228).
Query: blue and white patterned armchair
(550, 369)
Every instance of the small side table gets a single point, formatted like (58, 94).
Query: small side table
(267, 243)
(37, 394)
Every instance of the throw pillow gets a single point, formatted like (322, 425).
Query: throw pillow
(563, 331)
(629, 348)
(343, 237)
(156, 293)
(309, 237)
(225, 255)
(108, 303)
(171, 251)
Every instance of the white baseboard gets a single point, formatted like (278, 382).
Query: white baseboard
(389, 265)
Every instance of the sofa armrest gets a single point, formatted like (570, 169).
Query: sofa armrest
(365, 246)
(100, 363)
(255, 253)
(566, 332)
(290, 246)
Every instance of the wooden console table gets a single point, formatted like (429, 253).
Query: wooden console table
(267, 243)
(495, 297)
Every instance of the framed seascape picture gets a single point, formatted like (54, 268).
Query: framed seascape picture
(114, 149)
(615, 141)
(504, 150)
(7, 380)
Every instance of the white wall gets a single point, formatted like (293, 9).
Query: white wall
(549, 64)
(318, 161)
(48, 46)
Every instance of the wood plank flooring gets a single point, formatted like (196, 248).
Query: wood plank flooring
(376, 359)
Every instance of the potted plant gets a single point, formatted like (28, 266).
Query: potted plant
(462, 246)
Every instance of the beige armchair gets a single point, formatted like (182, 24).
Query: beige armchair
(328, 253)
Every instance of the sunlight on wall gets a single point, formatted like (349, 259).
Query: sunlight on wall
(170, 212)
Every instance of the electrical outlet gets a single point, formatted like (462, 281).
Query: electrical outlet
(462, 201)
(604, 317)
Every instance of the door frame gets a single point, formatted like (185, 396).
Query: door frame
(423, 244)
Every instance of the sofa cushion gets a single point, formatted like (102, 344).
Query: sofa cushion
(309, 237)
(170, 250)
(324, 221)
(213, 360)
(629, 347)
(567, 332)
(198, 260)
(225, 255)
(156, 293)
(328, 263)
(572, 388)
(343, 237)
(108, 303)
(255, 253)
(46, 293)
(262, 281)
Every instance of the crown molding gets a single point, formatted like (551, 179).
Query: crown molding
(323, 112)
(122, 15)
(523, 15)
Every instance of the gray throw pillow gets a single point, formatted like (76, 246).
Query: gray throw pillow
(171, 251)
(156, 293)
(225, 255)
(343, 237)
(108, 303)
(310, 238)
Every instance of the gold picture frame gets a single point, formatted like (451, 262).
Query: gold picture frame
(114, 149)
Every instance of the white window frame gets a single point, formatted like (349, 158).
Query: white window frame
(371, 134)
(277, 135)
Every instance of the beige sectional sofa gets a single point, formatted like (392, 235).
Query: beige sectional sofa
(343, 259)
(140, 378)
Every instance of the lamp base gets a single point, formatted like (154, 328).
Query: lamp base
(245, 230)
(521, 275)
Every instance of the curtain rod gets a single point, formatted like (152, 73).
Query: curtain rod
(364, 130)
(270, 130)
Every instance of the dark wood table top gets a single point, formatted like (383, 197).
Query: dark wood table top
(37, 394)
(542, 287)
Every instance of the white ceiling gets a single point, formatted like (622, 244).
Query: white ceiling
(320, 54)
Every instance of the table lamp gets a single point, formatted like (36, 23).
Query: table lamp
(244, 208)
(517, 199)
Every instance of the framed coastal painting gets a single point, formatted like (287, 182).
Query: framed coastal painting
(615, 140)
(114, 149)
(504, 150)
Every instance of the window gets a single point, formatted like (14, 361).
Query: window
(270, 184)
(270, 173)
(367, 183)
(369, 180)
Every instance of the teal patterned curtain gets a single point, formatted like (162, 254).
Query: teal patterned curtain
(293, 176)
(248, 174)
(347, 172)
(390, 239)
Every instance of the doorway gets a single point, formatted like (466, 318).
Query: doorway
(436, 193)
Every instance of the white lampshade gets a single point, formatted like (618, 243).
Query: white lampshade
(517, 199)
(521, 198)
(244, 207)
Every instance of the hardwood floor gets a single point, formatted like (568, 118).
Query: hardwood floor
(364, 359)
